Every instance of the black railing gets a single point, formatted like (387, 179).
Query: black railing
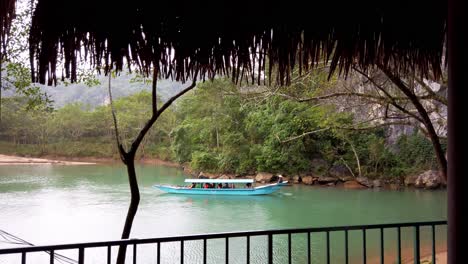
(269, 234)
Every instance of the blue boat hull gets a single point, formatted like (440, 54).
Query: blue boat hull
(262, 190)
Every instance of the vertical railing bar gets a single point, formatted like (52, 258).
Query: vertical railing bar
(270, 248)
(308, 248)
(134, 253)
(328, 247)
(109, 255)
(52, 253)
(158, 251)
(248, 249)
(289, 249)
(182, 252)
(382, 259)
(227, 250)
(416, 245)
(346, 247)
(204, 251)
(433, 245)
(364, 247)
(399, 244)
(80, 255)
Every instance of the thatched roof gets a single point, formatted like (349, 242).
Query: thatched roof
(220, 37)
(7, 11)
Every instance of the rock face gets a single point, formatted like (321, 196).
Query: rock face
(249, 177)
(296, 179)
(411, 180)
(340, 172)
(226, 177)
(429, 179)
(264, 177)
(353, 185)
(364, 181)
(188, 170)
(308, 180)
(206, 175)
(377, 183)
(319, 167)
(394, 186)
(327, 180)
(346, 178)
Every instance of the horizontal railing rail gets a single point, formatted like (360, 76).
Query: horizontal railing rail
(247, 234)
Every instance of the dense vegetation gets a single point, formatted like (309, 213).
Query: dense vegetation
(218, 128)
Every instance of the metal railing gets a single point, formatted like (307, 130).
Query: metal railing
(269, 234)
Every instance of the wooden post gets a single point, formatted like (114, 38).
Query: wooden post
(457, 131)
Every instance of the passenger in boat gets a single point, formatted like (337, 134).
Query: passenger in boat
(226, 186)
(280, 179)
(248, 185)
(206, 186)
(220, 186)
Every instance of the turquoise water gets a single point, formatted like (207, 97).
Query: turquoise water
(67, 204)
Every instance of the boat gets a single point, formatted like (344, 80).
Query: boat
(284, 183)
(221, 187)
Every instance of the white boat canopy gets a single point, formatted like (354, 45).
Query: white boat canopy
(219, 180)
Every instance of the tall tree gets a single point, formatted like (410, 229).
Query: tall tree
(14, 73)
(380, 98)
(127, 155)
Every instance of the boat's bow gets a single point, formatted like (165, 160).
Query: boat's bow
(260, 190)
(167, 188)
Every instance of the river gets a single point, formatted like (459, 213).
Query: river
(49, 204)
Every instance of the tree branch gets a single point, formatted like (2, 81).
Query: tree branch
(355, 156)
(155, 116)
(340, 94)
(387, 94)
(375, 126)
(154, 101)
(432, 94)
(116, 127)
(304, 134)
(426, 120)
(347, 166)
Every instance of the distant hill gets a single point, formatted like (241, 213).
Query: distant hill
(98, 95)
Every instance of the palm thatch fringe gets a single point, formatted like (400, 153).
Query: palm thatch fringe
(240, 39)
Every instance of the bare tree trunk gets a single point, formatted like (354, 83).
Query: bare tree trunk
(134, 201)
(426, 121)
(128, 158)
(347, 166)
(1, 86)
(356, 156)
(217, 137)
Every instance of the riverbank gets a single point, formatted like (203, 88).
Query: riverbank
(335, 178)
(15, 160)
